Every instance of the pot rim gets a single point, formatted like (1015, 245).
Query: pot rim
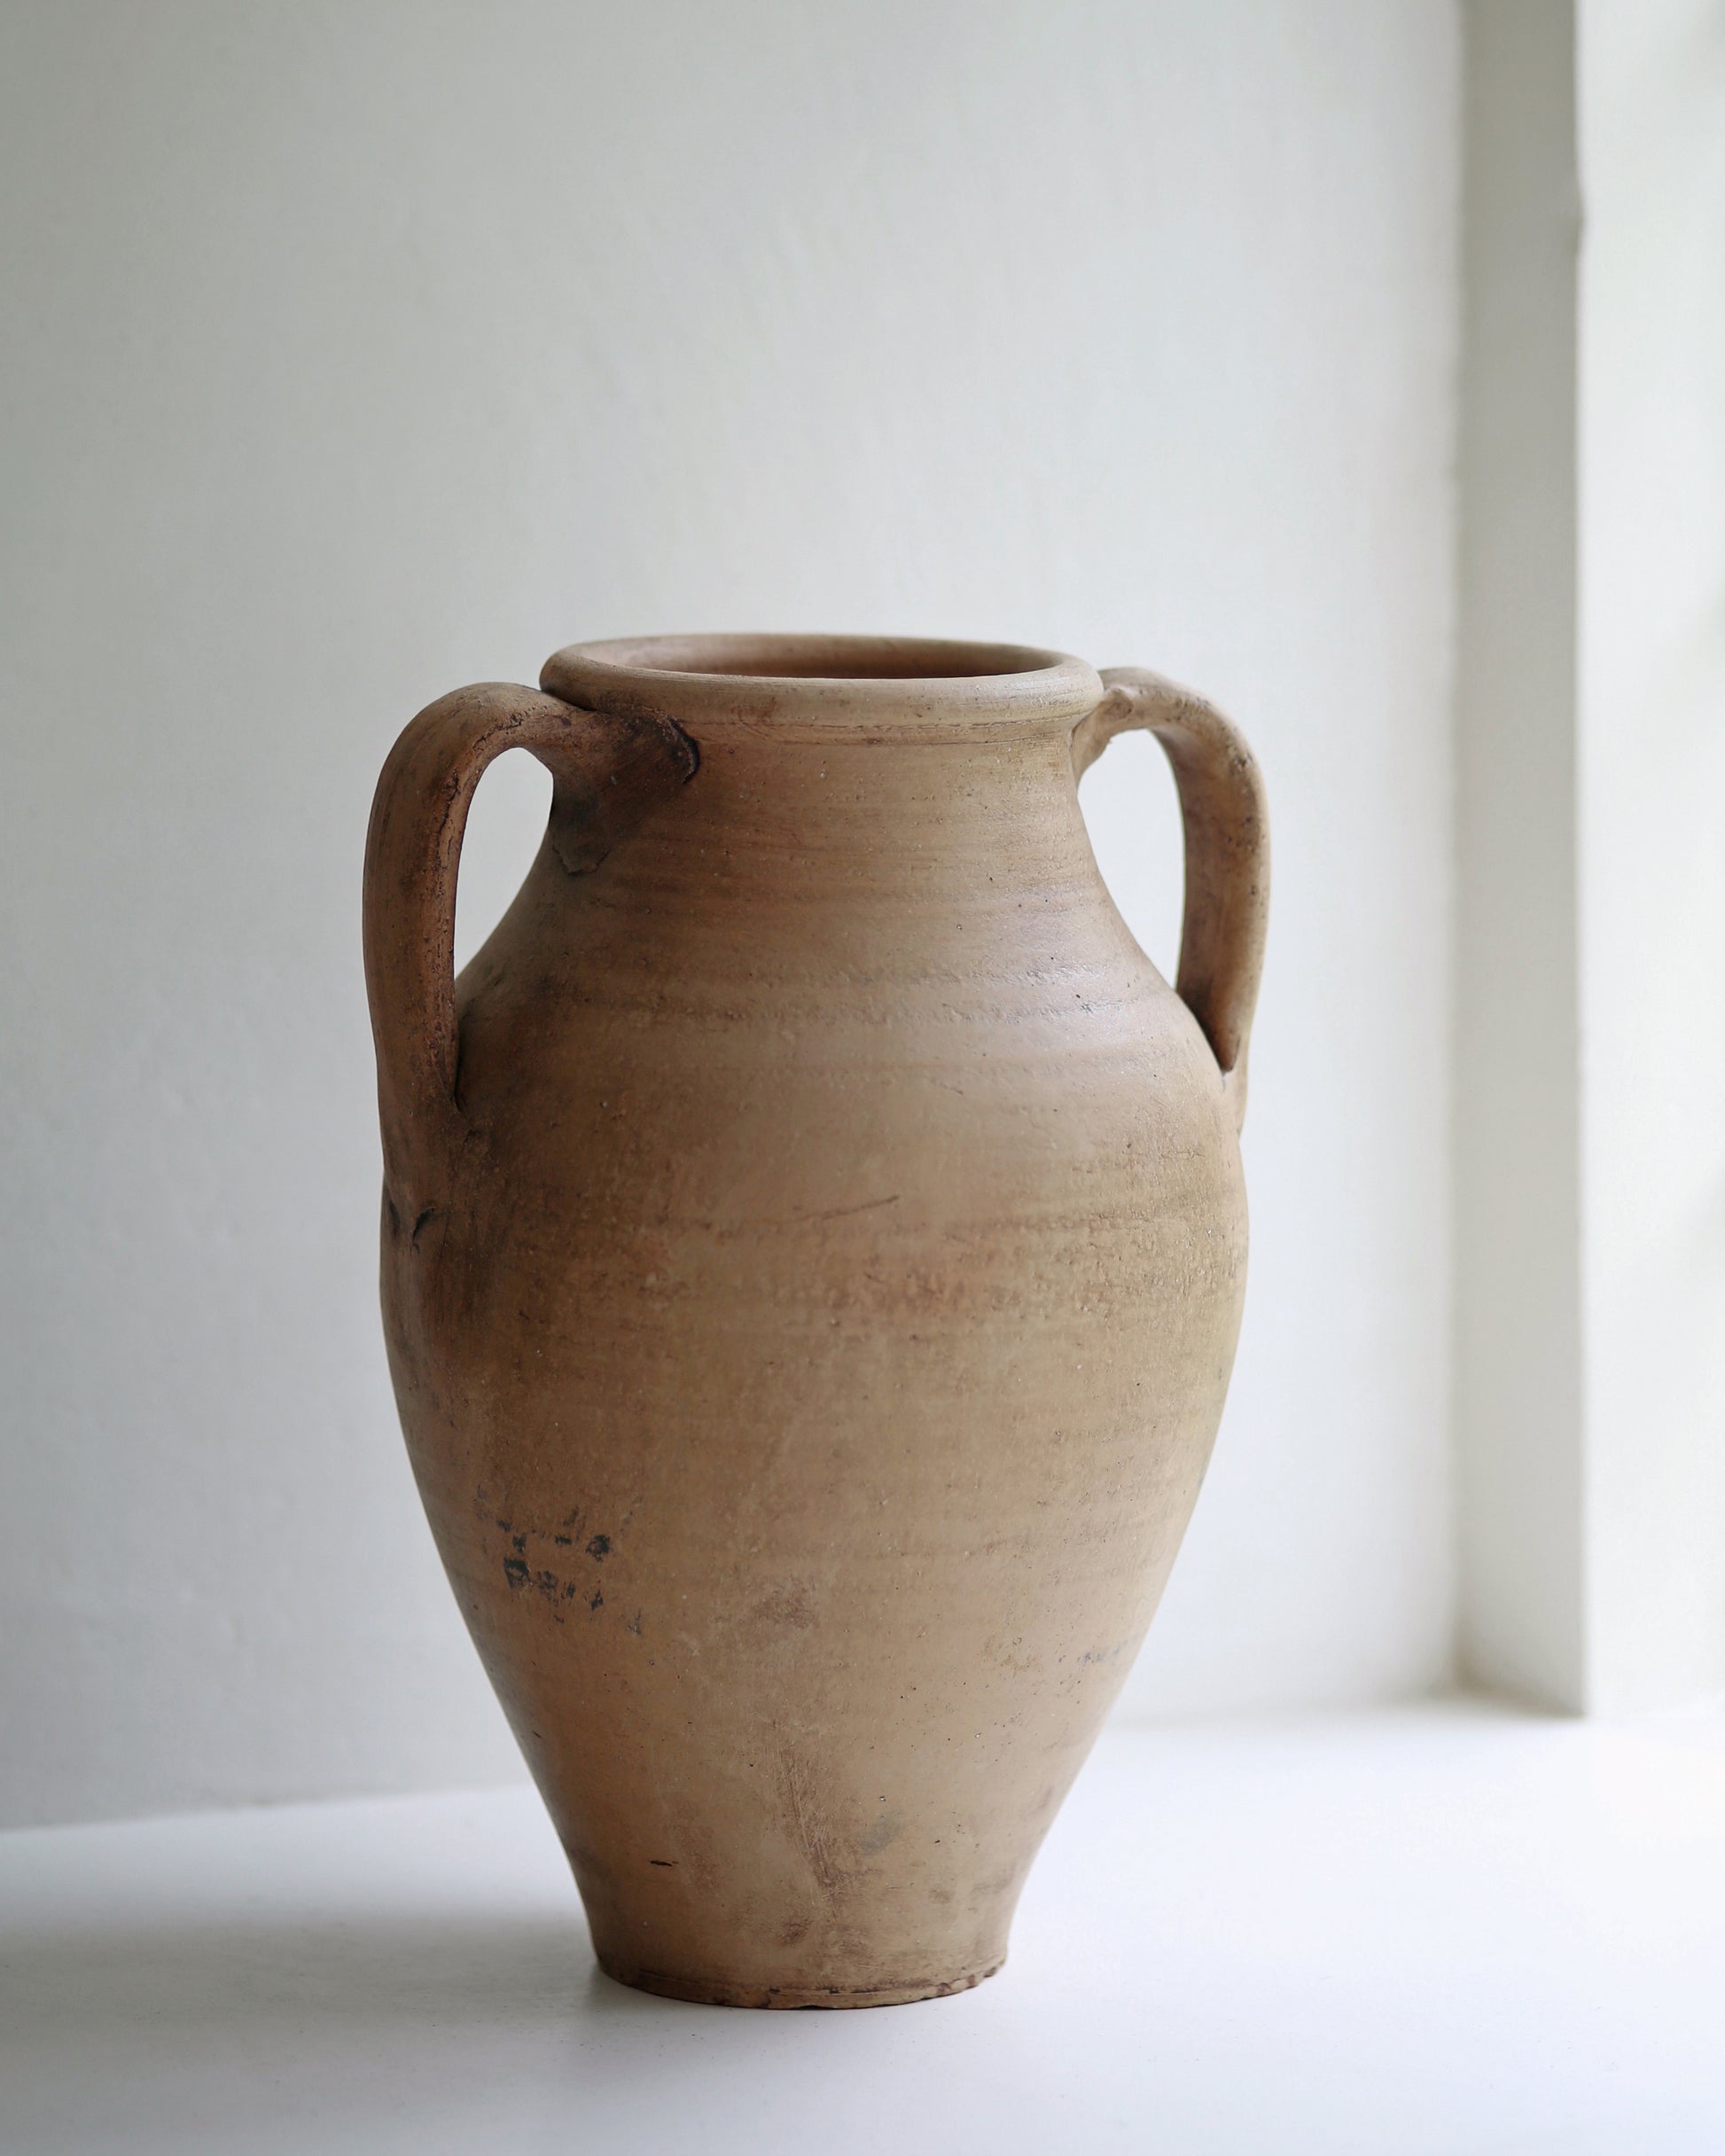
(824, 687)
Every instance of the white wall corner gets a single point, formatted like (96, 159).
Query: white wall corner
(1516, 1146)
(1590, 1080)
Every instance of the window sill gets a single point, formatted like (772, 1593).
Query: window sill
(1448, 1928)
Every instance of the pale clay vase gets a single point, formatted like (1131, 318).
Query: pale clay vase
(813, 1248)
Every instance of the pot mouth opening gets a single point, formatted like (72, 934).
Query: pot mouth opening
(869, 686)
(819, 658)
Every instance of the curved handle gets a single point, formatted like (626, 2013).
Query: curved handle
(1226, 826)
(608, 773)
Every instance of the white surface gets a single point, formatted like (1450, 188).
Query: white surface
(1652, 735)
(1437, 1933)
(359, 348)
(1517, 1159)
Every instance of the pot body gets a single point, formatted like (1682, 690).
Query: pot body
(810, 1330)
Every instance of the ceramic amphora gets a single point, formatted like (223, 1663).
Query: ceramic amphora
(813, 1249)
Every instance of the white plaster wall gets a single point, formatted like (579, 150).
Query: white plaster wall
(356, 350)
(1652, 731)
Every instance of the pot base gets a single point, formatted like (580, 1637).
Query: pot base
(704, 1991)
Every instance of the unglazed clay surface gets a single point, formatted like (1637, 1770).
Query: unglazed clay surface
(813, 1249)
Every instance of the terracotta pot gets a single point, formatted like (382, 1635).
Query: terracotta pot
(813, 1249)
